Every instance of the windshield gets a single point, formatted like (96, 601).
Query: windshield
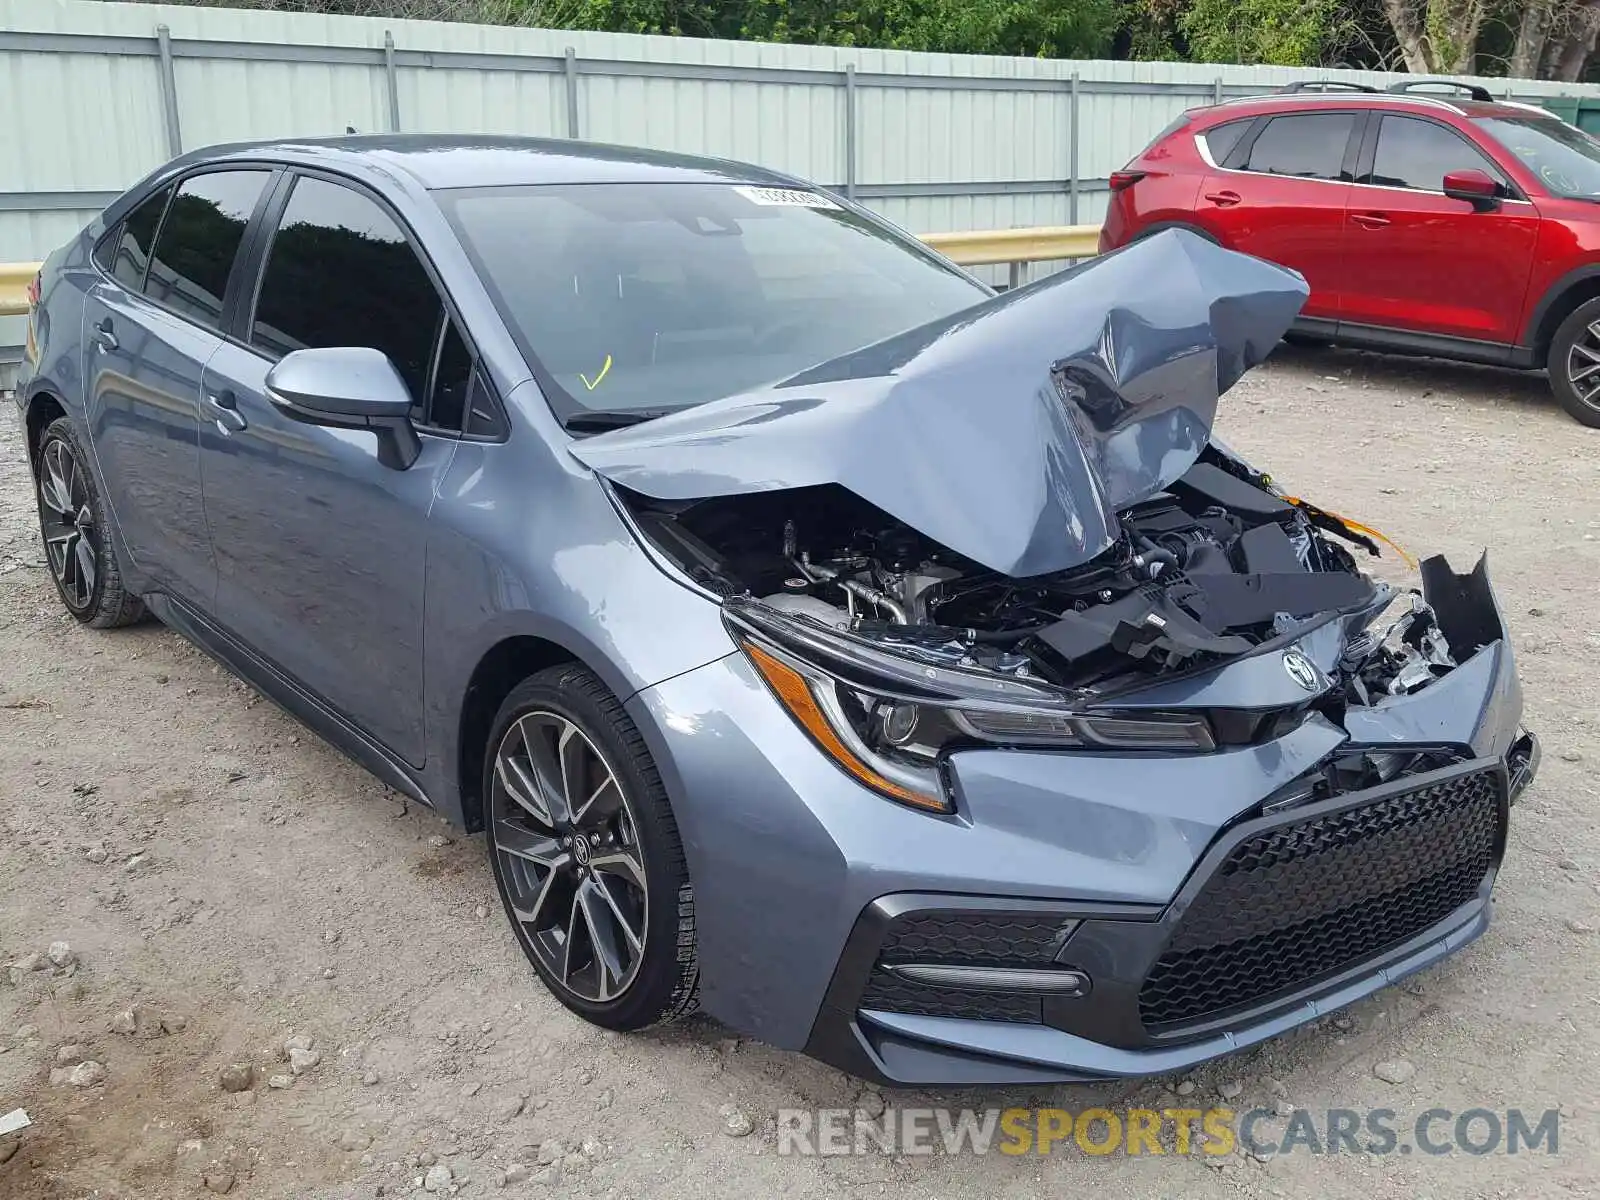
(1566, 160)
(644, 297)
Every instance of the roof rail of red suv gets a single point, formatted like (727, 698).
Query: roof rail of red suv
(1463, 106)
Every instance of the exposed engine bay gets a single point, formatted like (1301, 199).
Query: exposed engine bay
(1214, 566)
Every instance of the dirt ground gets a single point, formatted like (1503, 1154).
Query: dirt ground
(211, 862)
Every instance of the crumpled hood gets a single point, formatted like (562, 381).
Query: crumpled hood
(1011, 432)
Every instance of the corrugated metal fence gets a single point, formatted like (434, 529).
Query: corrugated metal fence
(95, 95)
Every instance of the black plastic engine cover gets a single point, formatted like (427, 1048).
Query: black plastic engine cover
(1205, 486)
(1223, 602)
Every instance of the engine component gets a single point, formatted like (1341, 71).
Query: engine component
(809, 606)
(1208, 570)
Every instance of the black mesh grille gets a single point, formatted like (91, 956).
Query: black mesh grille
(1303, 901)
(1016, 940)
(888, 994)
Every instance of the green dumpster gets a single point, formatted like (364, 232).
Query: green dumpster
(1565, 107)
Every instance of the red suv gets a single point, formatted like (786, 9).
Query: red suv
(1425, 224)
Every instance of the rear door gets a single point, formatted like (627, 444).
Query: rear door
(149, 328)
(1280, 194)
(1418, 260)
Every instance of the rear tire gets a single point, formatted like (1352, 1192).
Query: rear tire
(586, 853)
(77, 540)
(1574, 363)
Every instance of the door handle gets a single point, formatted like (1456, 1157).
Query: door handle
(1369, 220)
(104, 337)
(1224, 199)
(224, 410)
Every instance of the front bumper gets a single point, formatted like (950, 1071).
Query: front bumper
(1122, 867)
(1285, 918)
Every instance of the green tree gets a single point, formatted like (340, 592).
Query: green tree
(1286, 33)
(1055, 28)
(1076, 28)
(681, 18)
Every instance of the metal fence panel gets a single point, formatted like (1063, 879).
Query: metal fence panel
(98, 94)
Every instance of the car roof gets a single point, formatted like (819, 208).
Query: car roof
(1414, 102)
(480, 160)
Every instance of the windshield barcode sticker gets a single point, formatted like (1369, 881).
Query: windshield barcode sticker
(793, 197)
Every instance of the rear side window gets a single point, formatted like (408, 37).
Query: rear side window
(1221, 139)
(1306, 145)
(341, 273)
(199, 240)
(1412, 153)
(126, 254)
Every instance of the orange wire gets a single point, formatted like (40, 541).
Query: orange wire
(1357, 527)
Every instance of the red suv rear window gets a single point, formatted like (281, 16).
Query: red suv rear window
(1221, 139)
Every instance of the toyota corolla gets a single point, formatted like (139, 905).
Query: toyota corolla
(901, 672)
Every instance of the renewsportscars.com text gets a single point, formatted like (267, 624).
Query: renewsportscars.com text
(1181, 1131)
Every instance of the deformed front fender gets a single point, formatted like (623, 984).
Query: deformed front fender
(1479, 704)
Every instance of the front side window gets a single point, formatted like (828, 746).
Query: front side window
(1306, 145)
(126, 252)
(1412, 153)
(1566, 159)
(341, 273)
(199, 240)
(452, 381)
(653, 296)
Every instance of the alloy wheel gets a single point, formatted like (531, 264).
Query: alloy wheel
(567, 840)
(1583, 364)
(67, 522)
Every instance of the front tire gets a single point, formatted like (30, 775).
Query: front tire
(1574, 363)
(77, 539)
(586, 853)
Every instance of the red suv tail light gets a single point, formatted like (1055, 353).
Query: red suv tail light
(1121, 180)
(33, 290)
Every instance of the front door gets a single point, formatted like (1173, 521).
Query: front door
(148, 332)
(321, 549)
(1418, 260)
(1281, 196)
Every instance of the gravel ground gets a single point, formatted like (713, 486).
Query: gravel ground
(229, 885)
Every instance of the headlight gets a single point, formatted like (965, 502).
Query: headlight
(892, 734)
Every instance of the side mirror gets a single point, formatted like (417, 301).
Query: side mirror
(348, 387)
(1474, 186)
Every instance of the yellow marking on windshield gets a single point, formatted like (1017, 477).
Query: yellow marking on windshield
(597, 378)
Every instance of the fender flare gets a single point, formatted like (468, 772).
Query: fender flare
(1552, 296)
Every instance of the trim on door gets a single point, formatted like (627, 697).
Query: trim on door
(1408, 341)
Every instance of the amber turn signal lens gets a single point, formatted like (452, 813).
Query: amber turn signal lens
(794, 693)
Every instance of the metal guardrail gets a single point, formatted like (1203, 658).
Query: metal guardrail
(14, 280)
(971, 248)
(1039, 244)
(1019, 247)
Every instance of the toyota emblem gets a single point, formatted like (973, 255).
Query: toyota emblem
(1302, 670)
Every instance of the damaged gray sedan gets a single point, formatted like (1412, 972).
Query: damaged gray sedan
(900, 672)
